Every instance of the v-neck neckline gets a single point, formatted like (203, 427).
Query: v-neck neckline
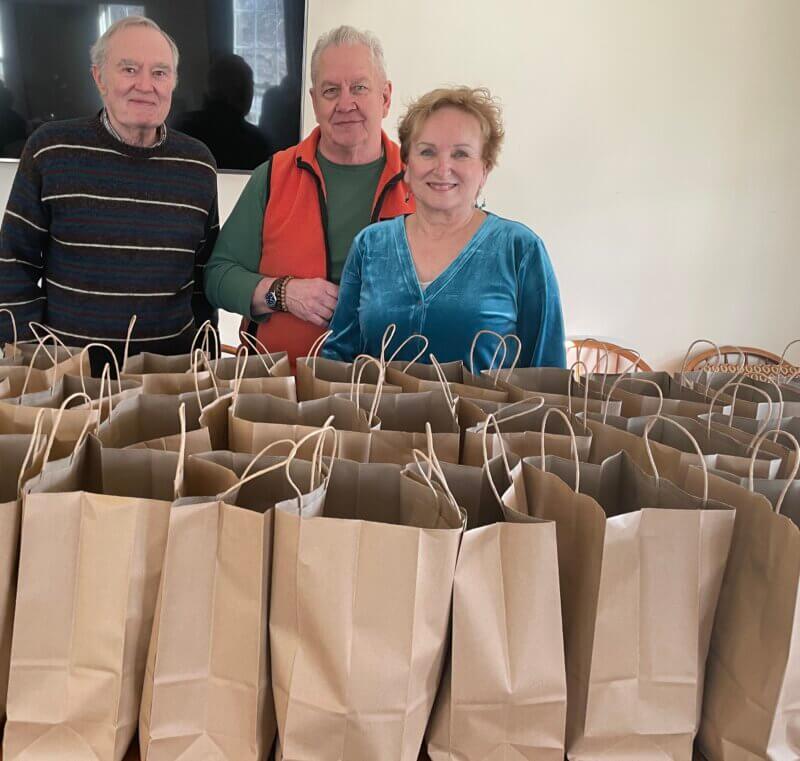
(436, 285)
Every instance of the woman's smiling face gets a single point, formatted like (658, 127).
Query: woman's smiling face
(446, 170)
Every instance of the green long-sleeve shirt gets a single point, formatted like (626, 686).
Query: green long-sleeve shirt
(232, 274)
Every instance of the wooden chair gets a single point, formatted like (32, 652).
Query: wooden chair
(732, 355)
(592, 353)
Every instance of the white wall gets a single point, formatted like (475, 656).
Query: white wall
(653, 145)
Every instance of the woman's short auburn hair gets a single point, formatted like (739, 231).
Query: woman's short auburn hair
(477, 101)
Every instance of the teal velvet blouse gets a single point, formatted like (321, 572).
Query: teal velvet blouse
(502, 281)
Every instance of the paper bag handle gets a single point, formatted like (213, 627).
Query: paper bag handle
(52, 357)
(435, 469)
(13, 327)
(195, 370)
(448, 393)
(261, 351)
(492, 420)
(500, 345)
(735, 383)
(783, 357)
(48, 333)
(206, 332)
(57, 423)
(85, 349)
(795, 468)
(32, 450)
(378, 387)
(570, 379)
(177, 484)
(503, 418)
(573, 444)
(388, 336)
(685, 362)
(650, 423)
(639, 380)
(127, 346)
(412, 337)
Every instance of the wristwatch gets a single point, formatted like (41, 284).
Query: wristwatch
(275, 297)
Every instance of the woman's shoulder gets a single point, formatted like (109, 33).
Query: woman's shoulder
(515, 232)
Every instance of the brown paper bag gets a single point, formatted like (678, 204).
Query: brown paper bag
(256, 421)
(504, 690)
(71, 385)
(21, 456)
(359, 615)
(404, 420)
(637, 608)
(752, 689)
(553, 384)
(720, 451)
(418, 376)
(521, 427)
(93, 532)
(207, 691)
(152, 421)
(16, 380)
(171, 375)
(318, 377)
(73, 422)
(747, 430)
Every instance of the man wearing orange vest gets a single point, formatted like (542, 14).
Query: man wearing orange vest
(280, 253)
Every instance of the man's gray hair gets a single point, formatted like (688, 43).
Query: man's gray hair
(99, 51)
(348, 35)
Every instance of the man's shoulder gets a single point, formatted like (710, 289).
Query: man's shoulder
(79, 131)
(183, 146)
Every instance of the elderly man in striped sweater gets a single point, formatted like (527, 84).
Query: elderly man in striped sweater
(113, 215)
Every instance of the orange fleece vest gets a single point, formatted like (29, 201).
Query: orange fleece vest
(294, 236)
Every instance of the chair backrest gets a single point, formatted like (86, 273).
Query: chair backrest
(592, 353)
(759, 363)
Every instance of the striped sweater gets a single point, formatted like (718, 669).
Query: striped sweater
(96, 231)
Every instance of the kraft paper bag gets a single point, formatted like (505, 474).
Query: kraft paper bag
(56, 359)
(256, 421)
(70, 385)
(16, 380)
(504, 692)
(746, 430)
(152, 421)
(359, 616)
(638, 606)
(520, 426)
(553, 385)
(318, 377)
(254, 374)
(403, 422)
(420, 376)
(17, 419)
(162, 374)
(207, 689)
(752, 694)
(21, 457)
(94, 528)
(720, 451)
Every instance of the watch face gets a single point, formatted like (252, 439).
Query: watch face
(272, 299)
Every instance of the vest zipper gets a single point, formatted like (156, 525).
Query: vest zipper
(386, 188)
(323, 208)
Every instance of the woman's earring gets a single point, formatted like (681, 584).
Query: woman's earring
(480, 202)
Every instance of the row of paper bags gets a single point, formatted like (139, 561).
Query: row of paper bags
(580, 621)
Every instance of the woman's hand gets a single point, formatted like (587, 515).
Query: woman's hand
(312, 299)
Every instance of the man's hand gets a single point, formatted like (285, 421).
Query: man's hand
(312, 299)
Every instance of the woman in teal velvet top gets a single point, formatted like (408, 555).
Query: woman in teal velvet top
(450, 269)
